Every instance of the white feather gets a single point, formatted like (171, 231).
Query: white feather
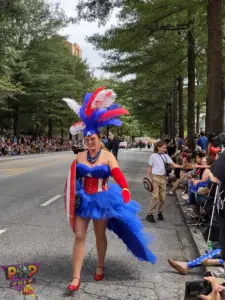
(104, 99)
(73, 105)
(77, 128)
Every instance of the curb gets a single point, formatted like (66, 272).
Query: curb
(197, 237)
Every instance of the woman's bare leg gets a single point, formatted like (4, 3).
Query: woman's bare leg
(81, 226)
(101, 243)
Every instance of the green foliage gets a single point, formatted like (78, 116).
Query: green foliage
(150, 43)
(37, 70)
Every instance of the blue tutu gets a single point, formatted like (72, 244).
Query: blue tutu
(122, 218)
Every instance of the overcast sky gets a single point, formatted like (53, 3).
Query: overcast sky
(78, 33)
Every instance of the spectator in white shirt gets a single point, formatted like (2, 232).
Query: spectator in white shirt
(159, 163)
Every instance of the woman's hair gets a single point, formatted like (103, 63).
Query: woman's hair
(199, 154)
(102, 146)
(158, 145)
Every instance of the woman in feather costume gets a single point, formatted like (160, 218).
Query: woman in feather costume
(109, 206)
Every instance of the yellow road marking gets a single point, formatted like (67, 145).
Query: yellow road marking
(22, 169)
(12, 169)
(14, 174)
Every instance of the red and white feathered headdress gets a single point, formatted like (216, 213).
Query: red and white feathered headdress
(98, 110)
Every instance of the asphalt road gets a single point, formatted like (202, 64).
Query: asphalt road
(32, 232)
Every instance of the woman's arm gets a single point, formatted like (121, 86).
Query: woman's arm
(202, 166)
(213, 178)
(205, 177)
(209, 147)
(119, 177)
(112, 162)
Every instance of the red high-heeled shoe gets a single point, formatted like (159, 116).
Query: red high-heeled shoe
(99, 277)
(72, 288)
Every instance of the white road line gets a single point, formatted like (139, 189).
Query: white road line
(51, 200)
(3, 230)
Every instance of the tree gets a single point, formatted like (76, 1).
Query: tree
(37, 69)
(157, 41)
(191, 83)
(181, 106)
(215, 99)
(55, 74)
(151, 42)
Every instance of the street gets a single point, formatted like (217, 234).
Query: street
(33, 227)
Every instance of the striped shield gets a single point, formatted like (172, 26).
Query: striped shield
(69, 195)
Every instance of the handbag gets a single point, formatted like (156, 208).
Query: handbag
(166, 165)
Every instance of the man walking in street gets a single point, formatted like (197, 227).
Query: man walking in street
(115, 147)
(159, 165)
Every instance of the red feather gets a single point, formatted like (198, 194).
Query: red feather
(89, 110)
(113, 114)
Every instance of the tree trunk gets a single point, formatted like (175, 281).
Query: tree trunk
(162, 130)
(181, 106)
(215, 109)
(191, 87)
(50, 128)
(207, 114)
(166, 122)
(37, 124)
(198, 117)
(170, 121)
(174, 110)
(62, 135)
(16, 121)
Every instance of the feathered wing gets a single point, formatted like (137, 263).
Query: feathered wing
(89, 110)
(98, 110)
(113, 114)
(113, 122)
(104, 99)
(73, 105)
(77, 128)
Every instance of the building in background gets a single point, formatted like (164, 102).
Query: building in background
(74, 49)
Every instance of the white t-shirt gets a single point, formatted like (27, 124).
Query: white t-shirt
(157, 164)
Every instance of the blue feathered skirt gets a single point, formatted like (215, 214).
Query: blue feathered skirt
(122, 219)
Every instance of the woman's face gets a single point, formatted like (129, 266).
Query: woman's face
(198, 160)
(204, 161)
(92, 142)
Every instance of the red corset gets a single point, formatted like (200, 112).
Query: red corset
(94, 185)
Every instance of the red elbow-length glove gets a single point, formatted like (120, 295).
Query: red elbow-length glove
(121, 181)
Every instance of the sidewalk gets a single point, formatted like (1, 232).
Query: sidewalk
(199, 240)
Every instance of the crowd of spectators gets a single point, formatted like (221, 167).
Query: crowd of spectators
(202, 180)
(11, 145)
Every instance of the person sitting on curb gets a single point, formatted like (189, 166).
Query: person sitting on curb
(212, 258)
(197, 185)
(186, 176)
